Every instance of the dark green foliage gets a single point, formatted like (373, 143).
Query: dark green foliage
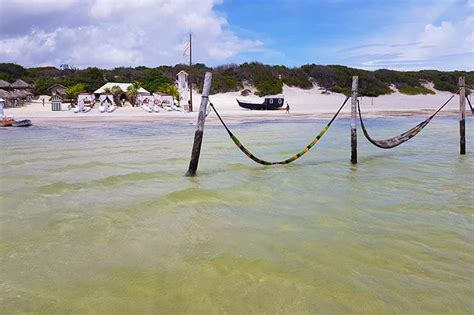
(10, 71)
(267, 79)
(225, 83)
(73, 91)
(153, 80)
(414, 90)
(264, 77)
(296, 77)
(43, 84)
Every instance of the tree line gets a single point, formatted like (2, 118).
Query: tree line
(267, 79)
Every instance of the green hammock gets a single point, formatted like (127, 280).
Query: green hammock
(287, 161)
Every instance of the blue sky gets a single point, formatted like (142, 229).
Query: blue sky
(394, 34)
(352, 32)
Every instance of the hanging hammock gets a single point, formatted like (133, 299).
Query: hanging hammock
(404, 137)
(287, 161)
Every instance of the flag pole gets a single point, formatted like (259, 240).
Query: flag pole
(189, 75)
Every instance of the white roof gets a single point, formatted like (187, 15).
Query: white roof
(122, 86)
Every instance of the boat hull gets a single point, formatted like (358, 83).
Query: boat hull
(22, 123)
(269, 104)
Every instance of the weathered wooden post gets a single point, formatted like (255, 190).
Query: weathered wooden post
(193, 164)
(462, 115)
(355, 83)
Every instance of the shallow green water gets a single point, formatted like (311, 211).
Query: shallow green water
(102, 220)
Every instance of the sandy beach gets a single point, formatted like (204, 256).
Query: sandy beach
(304, 104)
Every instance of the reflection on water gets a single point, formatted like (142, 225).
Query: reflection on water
(101, 219)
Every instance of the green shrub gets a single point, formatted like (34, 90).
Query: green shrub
(414, 90)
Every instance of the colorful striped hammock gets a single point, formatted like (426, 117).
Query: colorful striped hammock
(287, 161)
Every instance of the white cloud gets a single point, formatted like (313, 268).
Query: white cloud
(110, 33)
(437, 35)
(446, 45)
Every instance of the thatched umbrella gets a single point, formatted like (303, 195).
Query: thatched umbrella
(20, 84)
(8, 97)
(4, 84)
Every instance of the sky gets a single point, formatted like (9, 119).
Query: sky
(400, 35)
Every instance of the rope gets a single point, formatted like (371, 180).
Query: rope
(208, 109)
(404, 137)
(287, 161)
(470, 105)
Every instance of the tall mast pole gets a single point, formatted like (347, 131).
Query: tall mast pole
(189, 75)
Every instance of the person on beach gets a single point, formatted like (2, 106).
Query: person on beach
(287, 108)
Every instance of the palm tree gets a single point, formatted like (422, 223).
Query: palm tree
(132, 92)
(116, 91)
(169, 89)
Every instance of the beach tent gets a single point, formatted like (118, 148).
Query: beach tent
(88, 99)
(106, 97)
(149, 99)
(163, 99)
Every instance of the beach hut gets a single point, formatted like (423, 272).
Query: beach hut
(58, 89)
(56, 102)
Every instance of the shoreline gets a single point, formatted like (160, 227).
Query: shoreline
(304, 105)
(191, 118)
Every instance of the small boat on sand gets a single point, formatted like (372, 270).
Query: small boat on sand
(10, 122)
(22, 123)
(270, 103)
(6, 122)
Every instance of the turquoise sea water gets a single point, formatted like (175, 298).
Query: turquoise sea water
(100, 219)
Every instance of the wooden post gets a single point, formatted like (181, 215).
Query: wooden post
(462, 115)
(193, 164)
(355, 83)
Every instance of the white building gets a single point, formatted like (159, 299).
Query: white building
(183, 86)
